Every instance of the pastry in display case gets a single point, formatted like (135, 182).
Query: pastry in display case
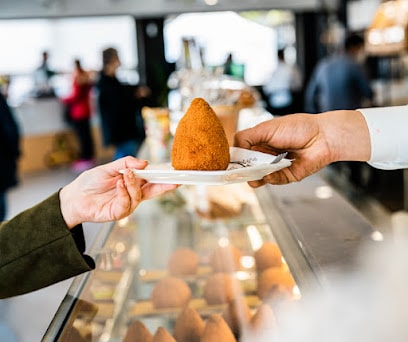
(189, 326)
(182, 276)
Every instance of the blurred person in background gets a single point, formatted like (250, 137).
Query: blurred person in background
(9, 153)
(120, 108)
(340, 82)
(42, 78)
(282, 89)
(228, 64)
(79, 111)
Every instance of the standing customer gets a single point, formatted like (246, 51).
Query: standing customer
(339, 81)
(118, 107)
(9, 153)
(42, 78)
(79, 112)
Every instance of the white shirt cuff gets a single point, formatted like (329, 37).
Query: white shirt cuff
(388, 127)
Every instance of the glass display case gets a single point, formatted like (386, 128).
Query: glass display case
(205, 255)
(165, 258)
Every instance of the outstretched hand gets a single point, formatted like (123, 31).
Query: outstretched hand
(312, 140)
(105, 194)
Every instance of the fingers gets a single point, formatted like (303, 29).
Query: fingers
(151, 190)
(130, 188)
(256, 184)
(136, 189)
(126, 163)
(281, 177)
(241, 141)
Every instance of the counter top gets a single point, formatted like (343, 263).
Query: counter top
(40, 116)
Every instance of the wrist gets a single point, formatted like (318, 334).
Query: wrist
(67, 208)
(346, 134)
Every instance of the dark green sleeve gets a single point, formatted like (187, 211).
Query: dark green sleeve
(37, 249)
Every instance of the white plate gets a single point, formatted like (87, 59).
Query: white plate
(260, 167)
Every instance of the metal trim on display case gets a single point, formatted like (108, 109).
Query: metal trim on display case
(291, 247)
(68, 303)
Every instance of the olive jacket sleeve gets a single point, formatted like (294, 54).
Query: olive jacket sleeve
(37, 249)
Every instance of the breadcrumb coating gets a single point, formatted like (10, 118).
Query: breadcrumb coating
(200, 142)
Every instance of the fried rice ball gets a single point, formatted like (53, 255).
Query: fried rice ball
(200, 142)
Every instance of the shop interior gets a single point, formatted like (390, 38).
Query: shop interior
(179, 50)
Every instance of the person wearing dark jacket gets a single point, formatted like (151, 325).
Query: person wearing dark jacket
(45, 244)
(9, 153)
(120, 108)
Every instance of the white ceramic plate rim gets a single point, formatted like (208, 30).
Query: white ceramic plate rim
(165, 174)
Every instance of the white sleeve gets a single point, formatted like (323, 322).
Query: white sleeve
(388, 127)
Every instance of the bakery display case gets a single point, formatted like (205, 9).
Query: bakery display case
(206, 260)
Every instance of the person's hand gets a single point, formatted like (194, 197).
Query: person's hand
(312, 140)
(104, 194)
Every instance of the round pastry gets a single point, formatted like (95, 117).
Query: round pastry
(221, 288)
(269, 255)
(225, 259)
(274, 281)
(137, 331)
(216, 329)
(200, 142)
(170, 292)
(189, 326)
(184, 261)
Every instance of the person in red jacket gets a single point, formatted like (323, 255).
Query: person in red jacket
(79, 114)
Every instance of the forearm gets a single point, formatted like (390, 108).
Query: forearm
(37, 250)
(347, 135)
